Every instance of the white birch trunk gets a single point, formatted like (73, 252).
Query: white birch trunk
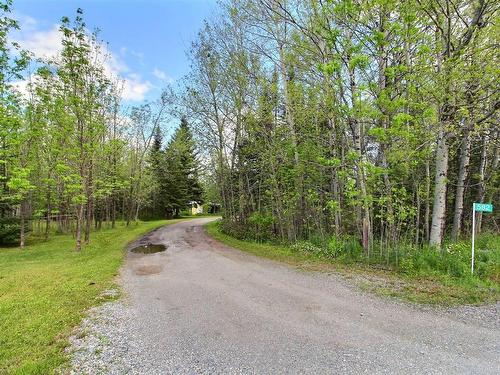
(463, 172)
(440, 182)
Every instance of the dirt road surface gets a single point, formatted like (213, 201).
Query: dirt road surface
(201, 307)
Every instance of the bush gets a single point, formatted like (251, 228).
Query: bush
(10, 230)
(260, 226)
(335, 245)
(453, 261)
(454, 266)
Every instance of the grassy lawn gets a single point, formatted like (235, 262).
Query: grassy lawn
(46, 289)
(432, 288)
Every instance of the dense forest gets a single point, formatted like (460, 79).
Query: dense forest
(372, 119)
(70, 157)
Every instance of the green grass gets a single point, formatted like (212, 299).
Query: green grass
(430, 287)
(46, 289)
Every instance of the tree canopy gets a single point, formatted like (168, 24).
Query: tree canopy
(71, 156)
(375, 120)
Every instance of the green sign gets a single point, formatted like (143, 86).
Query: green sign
(483, 207)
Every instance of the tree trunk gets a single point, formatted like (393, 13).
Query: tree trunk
(136, 214)
(360, 172)
(383, 84)
(482, 183)
(439, 206)
(90, 204)
(113, 213)
(47, 217)
(291, 126)
(22, 220)
(463, 171)
(427, 201)
(361, 183)
(417, 219)
(79, 222)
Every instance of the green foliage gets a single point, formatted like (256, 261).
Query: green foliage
(342, 116)
(346, 249)
(455, 260)
(10, 229)
(407, 266)
(260, 226)
(308, 247)
(175, 173)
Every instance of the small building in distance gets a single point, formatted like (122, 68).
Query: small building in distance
(213, 208)
(196, 208)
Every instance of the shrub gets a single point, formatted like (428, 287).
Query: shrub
(487, 261)
(260, 226)
(10, 230)
(335, 245)
(232, 228)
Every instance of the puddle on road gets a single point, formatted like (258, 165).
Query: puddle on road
(149, 249)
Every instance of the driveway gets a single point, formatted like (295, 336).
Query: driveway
(201, 307)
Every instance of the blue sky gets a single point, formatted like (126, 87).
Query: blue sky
(148, 39)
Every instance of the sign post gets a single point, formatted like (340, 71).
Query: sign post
(477, 207)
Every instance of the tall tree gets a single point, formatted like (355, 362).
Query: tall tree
(181, 185)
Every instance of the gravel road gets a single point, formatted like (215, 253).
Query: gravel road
(204, 308)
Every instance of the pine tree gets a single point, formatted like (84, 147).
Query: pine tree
(156, 171)
(181, 177)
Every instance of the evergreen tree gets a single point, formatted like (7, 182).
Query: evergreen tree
(181, 177)
(156, 171)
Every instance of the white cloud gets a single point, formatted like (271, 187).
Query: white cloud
(124, 51)
(43, 44)
(134, 89)
(46, 44)
(139, 55)
(26, 22)
(162, 76)
(113, 64)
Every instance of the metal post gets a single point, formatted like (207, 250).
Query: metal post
(473, 231)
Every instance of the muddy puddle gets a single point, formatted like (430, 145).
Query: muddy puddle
(149, 249)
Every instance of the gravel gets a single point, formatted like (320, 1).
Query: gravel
(203, 308)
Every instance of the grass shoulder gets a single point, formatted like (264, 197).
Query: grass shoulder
(431, 288)
(46, 289)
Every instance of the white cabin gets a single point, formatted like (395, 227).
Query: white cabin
(196, 208)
